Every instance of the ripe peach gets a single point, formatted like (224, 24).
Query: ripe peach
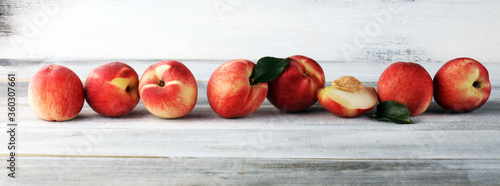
(230, 93)
(462, 85)
(407, 83)
(295, 89)
(347, 97)
(111, 89)
(168, 89)
(55, 93)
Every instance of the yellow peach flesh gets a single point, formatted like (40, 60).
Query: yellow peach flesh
(351, 93)
(122, 83)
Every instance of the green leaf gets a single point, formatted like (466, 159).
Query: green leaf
(394, 112)
(268, 68)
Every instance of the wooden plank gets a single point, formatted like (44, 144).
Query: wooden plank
(267, 133)
(222, 171)
(268, 146)
(307, 139)
(203, 69)
(338, 30)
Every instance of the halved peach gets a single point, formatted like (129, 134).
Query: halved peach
(347, 97)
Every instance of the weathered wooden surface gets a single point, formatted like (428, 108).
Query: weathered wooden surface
(267, 133)
(266, 147)
(359, 38)
(240, 171)
(381, 31)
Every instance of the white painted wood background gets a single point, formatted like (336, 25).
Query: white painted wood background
(336, 30)
(347, 37)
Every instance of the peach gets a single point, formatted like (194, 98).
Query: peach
(462, 85)
(168, 89)
(406, 83)
(230, 92)
(347, 97)
(55, 93)
(111, 89)
(295, 89)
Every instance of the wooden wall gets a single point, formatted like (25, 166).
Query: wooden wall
(376, 31)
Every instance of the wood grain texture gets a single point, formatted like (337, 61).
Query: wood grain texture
(379, 31)
(358, 38)
(265, 147)
(267, 133)
(238, 171)
(203, 69)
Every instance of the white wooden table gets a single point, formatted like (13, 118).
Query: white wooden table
(347, 37)
(266, 147)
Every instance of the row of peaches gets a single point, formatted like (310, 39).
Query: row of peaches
(238, 87)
